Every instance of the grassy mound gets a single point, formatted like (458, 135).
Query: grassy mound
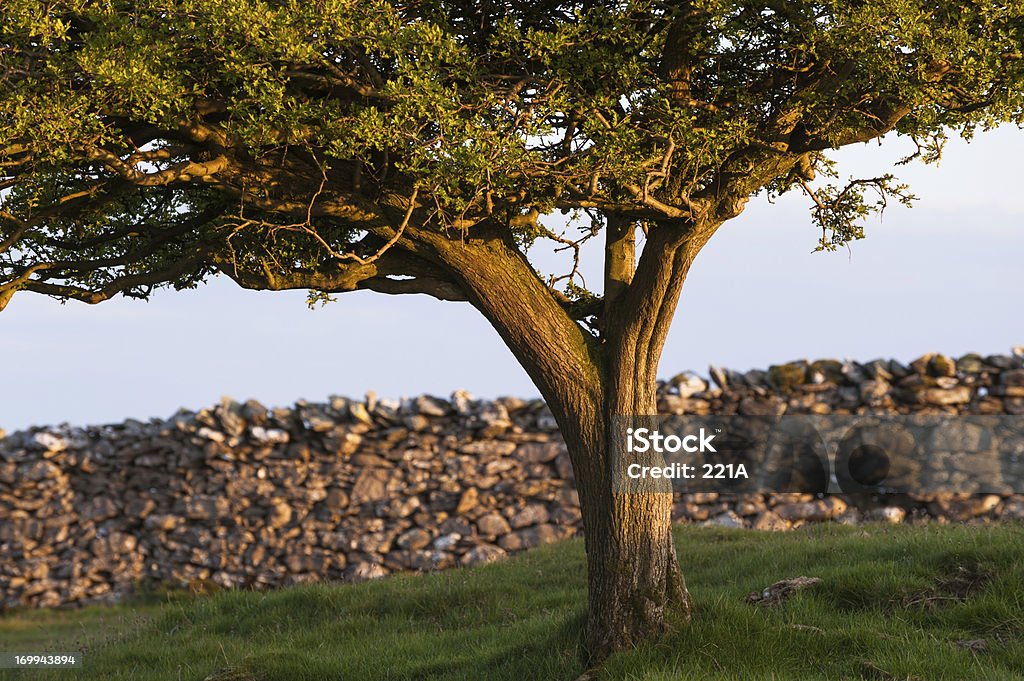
(929, 602)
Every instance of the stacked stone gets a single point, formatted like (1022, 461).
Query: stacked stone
(932, 384)
(240, 495)
(37, 512)
(244, 496)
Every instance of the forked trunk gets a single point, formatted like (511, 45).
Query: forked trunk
(636, 588)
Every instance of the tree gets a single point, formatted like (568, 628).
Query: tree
(425, 146)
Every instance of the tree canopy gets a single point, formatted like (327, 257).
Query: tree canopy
(329, 145)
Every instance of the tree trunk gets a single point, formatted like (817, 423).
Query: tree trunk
(635, 587)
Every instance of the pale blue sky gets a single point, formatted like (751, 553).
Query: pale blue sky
(944, 276)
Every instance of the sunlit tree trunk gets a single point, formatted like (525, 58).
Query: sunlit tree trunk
(636, 587)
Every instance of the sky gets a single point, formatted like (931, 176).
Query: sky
(945, 276)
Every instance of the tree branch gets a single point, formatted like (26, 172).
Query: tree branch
(619, 260)
(436, 288)
(186, 171)
(92, 296)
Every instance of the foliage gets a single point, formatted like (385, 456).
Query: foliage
(154, 142)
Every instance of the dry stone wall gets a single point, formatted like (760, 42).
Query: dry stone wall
(244, 496)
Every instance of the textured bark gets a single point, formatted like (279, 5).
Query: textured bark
(635, 586)
(636, 589)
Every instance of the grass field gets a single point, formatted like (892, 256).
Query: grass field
(919, 603)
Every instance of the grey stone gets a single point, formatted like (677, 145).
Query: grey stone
(211, 434)
(727, 519)
(823, 509)
(269, 436)
(206, 507)
(769, 521)
(432, 406)
(38, 471)
(280, 514)
(532, 514)
(49, 442)
(371, 485)
(447, 542)
(415, 538)
(462, 402)
(540, 452)
(99, 509)
(493, 525)
(483, 553)
(359, 412)
(939, 396)
(893, 515)
(688, 384)
(541, 534)
(365, 571)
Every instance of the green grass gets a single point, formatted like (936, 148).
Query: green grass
(892, 603)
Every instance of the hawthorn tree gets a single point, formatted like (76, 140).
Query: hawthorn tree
(426, 146)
